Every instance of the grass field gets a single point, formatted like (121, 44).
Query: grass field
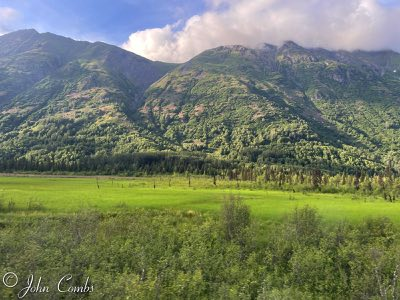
(65, 195)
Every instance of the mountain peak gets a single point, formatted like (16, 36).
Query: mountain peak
(17, 41)
(232, 48)
(295, 53)
(29, 30)
(269, 47)
(23, 32)
(291, 45)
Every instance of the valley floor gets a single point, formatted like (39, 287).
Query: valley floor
(180, 237)
(53, 194)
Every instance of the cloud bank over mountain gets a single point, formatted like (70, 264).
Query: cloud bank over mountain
(333, 24)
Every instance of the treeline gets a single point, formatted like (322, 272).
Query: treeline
(124, 164)
(150, 163)
(386, 184)
(368, 182)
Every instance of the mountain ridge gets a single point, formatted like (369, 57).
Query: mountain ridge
(285, 104)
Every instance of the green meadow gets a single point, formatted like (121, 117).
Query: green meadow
(165, 237)
(106, 194)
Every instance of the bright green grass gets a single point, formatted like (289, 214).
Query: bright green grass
(64, 195)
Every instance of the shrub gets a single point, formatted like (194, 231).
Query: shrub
(304, 226)
(235, 218)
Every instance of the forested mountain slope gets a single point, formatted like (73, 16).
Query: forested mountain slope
(283, 105)
(62, 101)
(66, 99)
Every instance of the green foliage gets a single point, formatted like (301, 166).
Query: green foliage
(170, 254)
(304, 226)
(235, 219)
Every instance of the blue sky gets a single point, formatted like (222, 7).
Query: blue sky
(176, 30)
(107, 20)
(390, 2)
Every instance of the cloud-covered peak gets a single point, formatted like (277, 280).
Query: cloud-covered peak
(332, 24)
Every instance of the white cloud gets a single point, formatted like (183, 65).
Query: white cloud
(334, 24)
(7, 15)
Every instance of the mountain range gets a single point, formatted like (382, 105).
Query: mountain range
(65, 100)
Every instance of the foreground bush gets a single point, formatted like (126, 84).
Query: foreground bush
(149, 254)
